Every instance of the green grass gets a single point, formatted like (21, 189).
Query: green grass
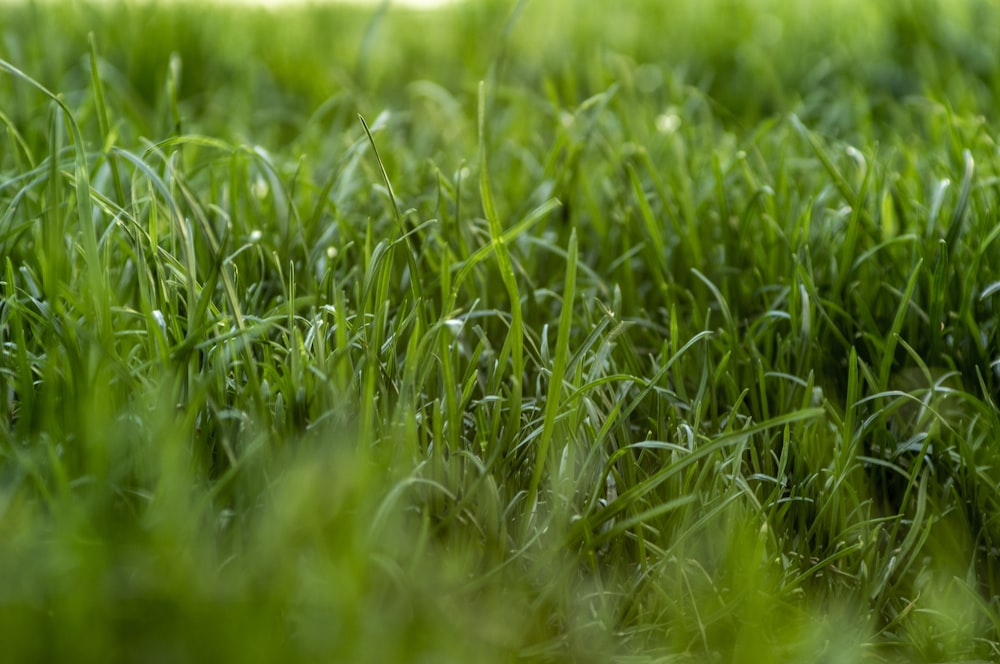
(518, 331)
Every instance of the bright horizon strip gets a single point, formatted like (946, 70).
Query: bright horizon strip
(412, 4)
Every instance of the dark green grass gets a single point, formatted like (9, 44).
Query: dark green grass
(514, 331)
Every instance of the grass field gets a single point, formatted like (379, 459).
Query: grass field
(515, 331)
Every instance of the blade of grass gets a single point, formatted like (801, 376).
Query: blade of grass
(891, 339)
(552, 399)
(95, 273)
(515, 336)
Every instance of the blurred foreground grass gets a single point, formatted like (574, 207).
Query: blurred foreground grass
(665, 333)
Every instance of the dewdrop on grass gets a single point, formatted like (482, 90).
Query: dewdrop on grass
(160, 321)
(668, 122)
(260, 187)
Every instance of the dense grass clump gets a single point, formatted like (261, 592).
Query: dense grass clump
(509, 331)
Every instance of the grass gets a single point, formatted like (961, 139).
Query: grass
(511, 331)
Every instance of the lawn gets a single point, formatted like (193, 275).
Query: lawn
(510, 331)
